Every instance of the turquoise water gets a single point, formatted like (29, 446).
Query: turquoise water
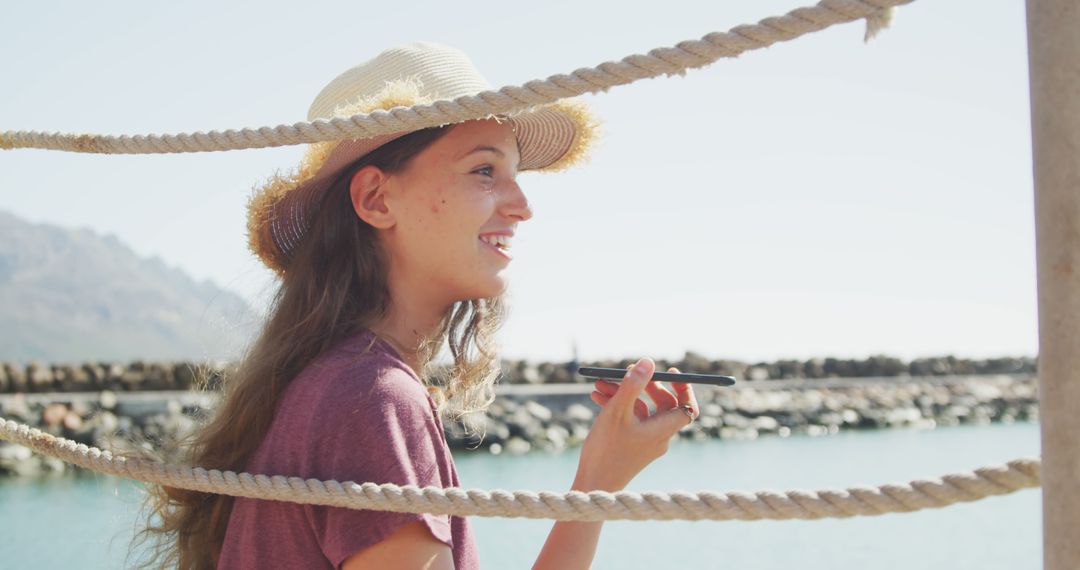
(86, 522)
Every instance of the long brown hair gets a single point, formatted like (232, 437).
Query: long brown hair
(335, 285)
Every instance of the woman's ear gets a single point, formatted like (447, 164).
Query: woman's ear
(368, 192)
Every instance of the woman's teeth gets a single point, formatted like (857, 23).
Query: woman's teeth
(501, 242)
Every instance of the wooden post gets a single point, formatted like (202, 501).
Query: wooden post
(1054, 65)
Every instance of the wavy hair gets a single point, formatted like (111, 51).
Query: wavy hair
(336, 284)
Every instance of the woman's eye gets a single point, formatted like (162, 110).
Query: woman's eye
(484, 171)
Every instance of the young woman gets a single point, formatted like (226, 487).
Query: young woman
(389, 248)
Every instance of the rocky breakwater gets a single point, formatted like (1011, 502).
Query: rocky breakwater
(544, 406)
(143, 376)
(137, 376)
(108, 420)
(519, 423)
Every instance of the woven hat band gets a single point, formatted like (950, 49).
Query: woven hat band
(439, 71)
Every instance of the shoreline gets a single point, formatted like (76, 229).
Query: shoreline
(554, 417)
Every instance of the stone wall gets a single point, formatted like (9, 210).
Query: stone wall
(145, 376)
(517, 423)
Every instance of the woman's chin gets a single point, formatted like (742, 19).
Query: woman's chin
(492, 288)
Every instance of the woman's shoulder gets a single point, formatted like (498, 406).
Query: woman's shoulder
(361, 371)
(360, 361)
(350, 395)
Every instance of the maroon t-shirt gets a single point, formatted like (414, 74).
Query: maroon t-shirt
(356, 413)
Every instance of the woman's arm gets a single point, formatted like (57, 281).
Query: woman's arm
(570, 544)
(410, 547)
(623, 440)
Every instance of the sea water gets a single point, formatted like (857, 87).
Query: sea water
(87, 522)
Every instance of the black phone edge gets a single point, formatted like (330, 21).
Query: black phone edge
(689, 377)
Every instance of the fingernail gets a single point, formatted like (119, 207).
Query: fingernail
(641, 367)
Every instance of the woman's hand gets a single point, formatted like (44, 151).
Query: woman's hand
(625, 438)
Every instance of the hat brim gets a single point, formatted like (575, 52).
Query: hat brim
(550, 138)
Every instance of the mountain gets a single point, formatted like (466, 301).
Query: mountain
(74, 295)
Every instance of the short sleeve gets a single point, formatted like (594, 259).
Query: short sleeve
(383, 430)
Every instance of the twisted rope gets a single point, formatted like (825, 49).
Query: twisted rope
(574, 505)
(510, 99)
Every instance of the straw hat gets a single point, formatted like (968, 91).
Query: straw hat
(550, 137)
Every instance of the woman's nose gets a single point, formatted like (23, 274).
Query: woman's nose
(514, 202)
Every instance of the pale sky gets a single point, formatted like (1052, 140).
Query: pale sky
(819, 197)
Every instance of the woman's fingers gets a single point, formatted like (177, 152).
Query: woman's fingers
(599, 398)
(605, 387)
(685, 393)
(677, 418)
(625, 400)
(641, 409)
(661, 396)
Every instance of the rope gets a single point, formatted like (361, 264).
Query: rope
(510, 99)
(574, 505)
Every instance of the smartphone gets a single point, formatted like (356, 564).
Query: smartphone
(620, 373)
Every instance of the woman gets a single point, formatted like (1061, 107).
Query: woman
(387, 248)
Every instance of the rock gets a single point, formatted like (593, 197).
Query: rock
(18, 460)
(14, 452)
(494, 430)
(522, 424)
(114, 375)
(957, 411)
(72, 422)
(517, 446)
(579, 413)
(696, 434)
(107, 399)
(757, 373)
(184, 376)
(132, 380)
(830, 418)
(530, 375)
(95, 375)
(16, 408)
(39, 377)
(158, 376)
(557, 435)
(747, 433)
(735, 420)
(16, 377)
(578, 433)
(538, 411)
(103, 422)
(986, 392)
(53, 415)
(765, 423)
(903, 416)
(70, 378)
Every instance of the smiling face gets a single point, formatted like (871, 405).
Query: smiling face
(432, 214)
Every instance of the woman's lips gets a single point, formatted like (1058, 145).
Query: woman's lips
(495, 249)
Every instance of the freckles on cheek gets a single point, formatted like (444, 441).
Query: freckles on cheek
(437, 200)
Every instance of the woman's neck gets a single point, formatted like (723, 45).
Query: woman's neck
(404, 331)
